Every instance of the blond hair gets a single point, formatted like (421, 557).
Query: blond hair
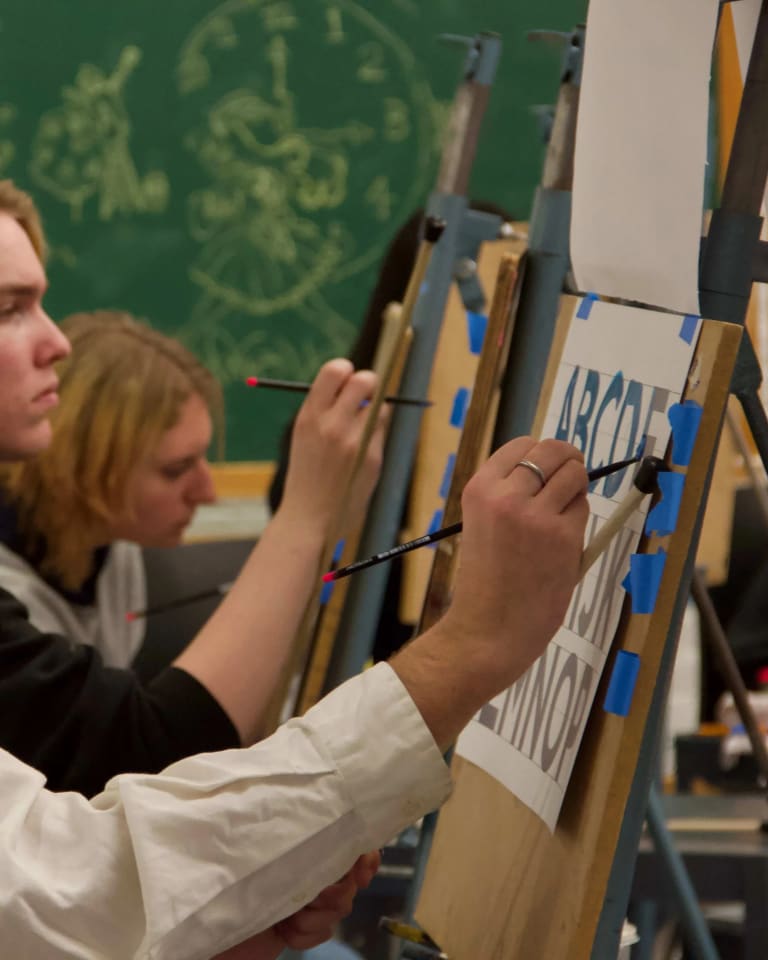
(21, 207)
(122, 387)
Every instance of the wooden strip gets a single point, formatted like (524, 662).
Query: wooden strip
(313, 682)
(729, 89)
(454, 366)
(246, 480)
(475, 435)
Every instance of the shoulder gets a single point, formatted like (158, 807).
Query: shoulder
(46, 607)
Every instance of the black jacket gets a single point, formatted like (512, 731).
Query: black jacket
(80, 723)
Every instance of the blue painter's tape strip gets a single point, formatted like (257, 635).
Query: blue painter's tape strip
(663, 518)
(450, 463)
(645, 570)
(684, 419)
(585, 307)
(459, 410)
(688, 327)
(434, 525)
(621, 687)
(327, 588)
(338, 550)
(476, 325)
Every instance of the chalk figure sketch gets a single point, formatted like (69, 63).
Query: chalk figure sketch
(622, 369)
(81, 149)
(286, 155)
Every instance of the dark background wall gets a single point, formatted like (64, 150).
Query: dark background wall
(232, 172)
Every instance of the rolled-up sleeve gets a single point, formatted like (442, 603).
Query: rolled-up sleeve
(218, 846)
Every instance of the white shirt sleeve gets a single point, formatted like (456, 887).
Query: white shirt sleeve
(218, 846)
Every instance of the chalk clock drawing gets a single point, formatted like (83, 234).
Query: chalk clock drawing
(288, 154)
(81, 149)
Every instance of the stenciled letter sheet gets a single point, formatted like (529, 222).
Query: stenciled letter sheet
(622, 368)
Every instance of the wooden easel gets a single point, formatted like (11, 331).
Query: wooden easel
(465, 231)
(541, 894)
(567, 893)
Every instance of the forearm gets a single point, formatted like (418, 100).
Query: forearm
(241, 651)
(446, 686)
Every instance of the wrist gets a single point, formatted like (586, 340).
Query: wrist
(294, 525)
(448, 679)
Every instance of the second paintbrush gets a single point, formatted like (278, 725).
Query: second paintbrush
(597, 474)
(296, 386)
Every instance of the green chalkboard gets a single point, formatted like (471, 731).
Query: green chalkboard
(233, 171)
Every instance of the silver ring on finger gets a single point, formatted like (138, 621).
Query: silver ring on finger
(534, 468)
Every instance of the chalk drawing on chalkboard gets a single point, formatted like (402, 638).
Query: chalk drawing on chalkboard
(7, 145)
(82, 147)
(233, 356)
(306, 112)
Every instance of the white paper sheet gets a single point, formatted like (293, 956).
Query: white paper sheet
(621, 370)
(641, 147)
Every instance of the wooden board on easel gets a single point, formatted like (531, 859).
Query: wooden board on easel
(498, 884)
(455, 366)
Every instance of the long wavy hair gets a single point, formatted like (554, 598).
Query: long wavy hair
(121, 388)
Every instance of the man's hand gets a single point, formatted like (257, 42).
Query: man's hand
(313, 924)
(519, 563)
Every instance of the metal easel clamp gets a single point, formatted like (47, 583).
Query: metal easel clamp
(483, 52)
(476, 228)
(573, 43)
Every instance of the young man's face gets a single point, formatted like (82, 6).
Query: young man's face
(30, 343)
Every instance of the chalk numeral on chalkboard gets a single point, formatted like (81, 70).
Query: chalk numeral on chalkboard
(372, 69)
(397, 121)
(335, 26)
(379, 197)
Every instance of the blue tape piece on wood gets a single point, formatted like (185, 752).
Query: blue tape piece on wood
(688, 327)
(621, 687)
(434, 525)
(459, 410)
(450, 463)
(643, 580)
(327, 588)
(476, 324)
(684, 419)
(662, 520)
(585, 307)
